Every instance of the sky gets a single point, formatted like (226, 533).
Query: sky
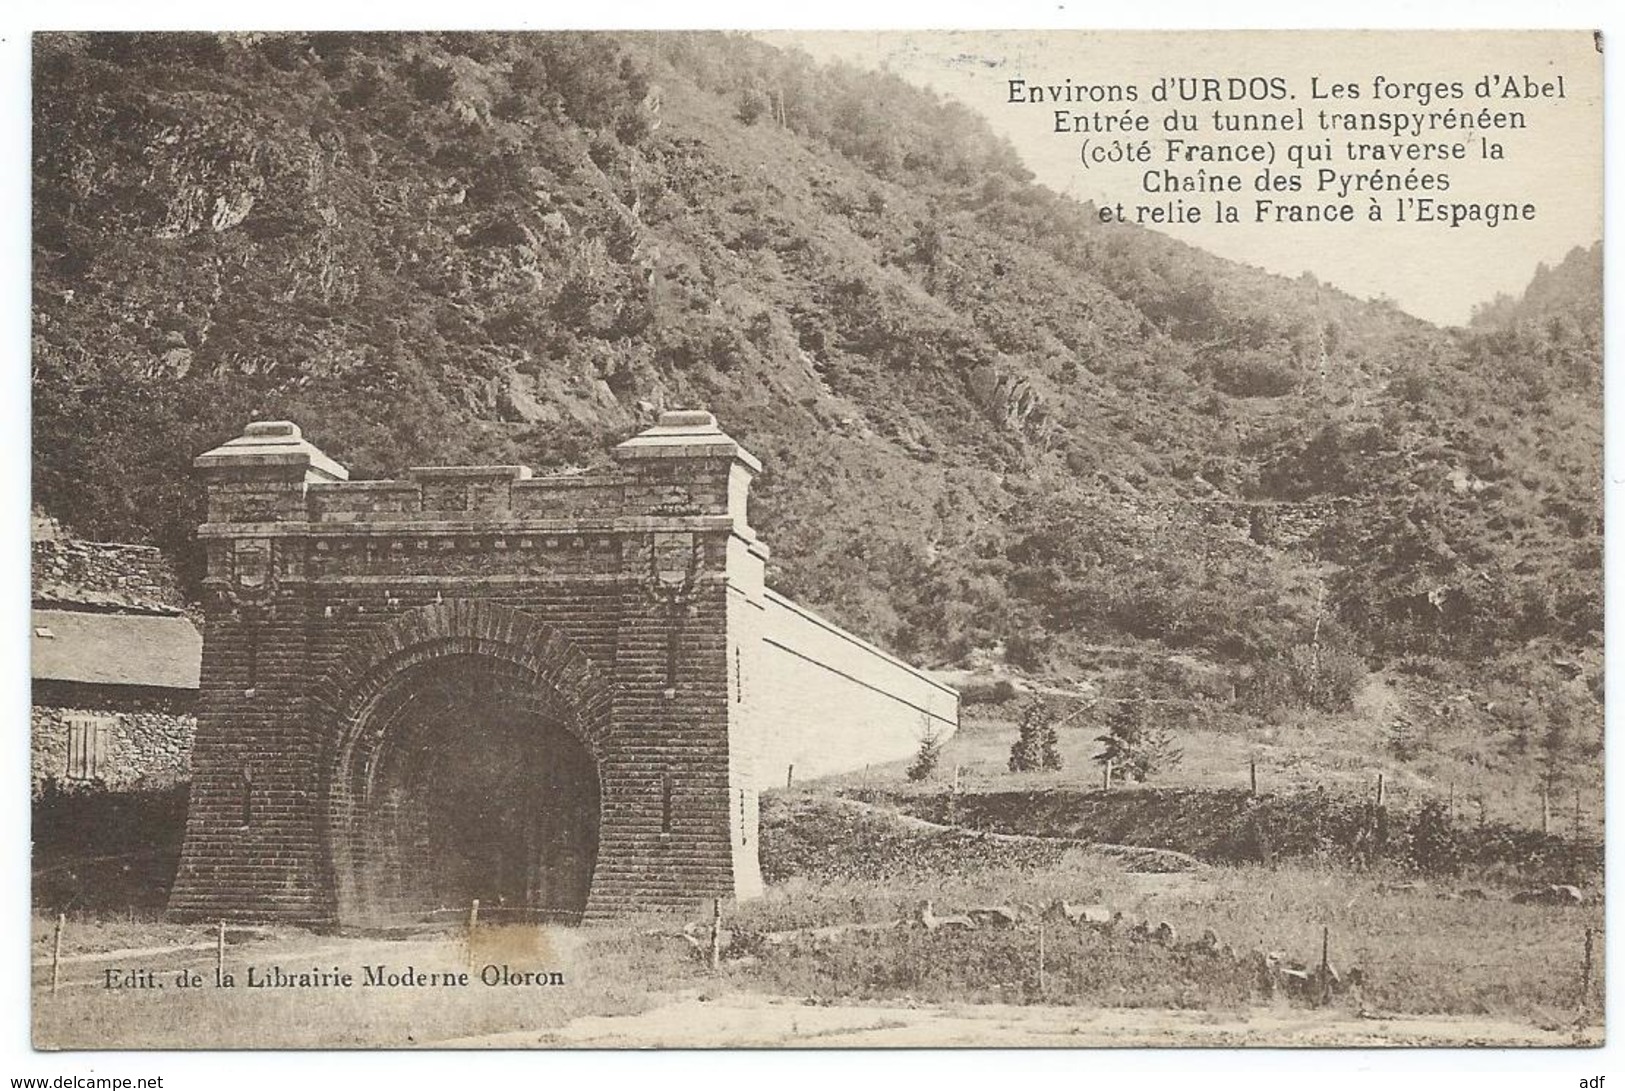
(1432, 270)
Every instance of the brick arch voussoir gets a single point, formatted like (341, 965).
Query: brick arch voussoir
(463, 626)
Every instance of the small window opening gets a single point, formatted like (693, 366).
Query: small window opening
(88, 743)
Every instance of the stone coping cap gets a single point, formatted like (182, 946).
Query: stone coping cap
(507, 473)
(542, 485)
(271, 443)
(590, 480)
(459, 523)
(366, 486)
(686, 433)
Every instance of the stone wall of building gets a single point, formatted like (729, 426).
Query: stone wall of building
(103, 575)
(148, 737)
(832, 703)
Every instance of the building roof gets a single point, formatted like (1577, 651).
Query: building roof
(116, 649)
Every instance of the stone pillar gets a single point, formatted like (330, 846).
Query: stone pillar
(683, 755)
(254, 846)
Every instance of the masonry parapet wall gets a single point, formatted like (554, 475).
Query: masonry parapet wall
(685, 468)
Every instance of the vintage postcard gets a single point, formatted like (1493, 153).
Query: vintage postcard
(817, 539)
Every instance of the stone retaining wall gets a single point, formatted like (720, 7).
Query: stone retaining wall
(833, 703)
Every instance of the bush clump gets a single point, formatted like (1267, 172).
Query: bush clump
(1320, 677)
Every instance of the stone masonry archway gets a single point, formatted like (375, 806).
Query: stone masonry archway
(464, 765)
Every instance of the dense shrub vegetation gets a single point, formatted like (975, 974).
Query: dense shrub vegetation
(992, 425)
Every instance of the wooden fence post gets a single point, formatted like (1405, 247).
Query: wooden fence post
(1042, 990)
(790, 775)
(715, 957)
(1585, 973)
(473, 917)
(1252, 774)
(1325, 965)
(1545, 808)
(1379, 790)
(56, 951)
(1106, 777)
(219, 953)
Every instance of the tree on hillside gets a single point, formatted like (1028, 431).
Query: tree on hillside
(1037, 744)
(1135, 744)
(929, 753)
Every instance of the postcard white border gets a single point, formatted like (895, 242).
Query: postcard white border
(1330, 1070)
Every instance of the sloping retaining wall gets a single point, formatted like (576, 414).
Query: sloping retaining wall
(835, 703)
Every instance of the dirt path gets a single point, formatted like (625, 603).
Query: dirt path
(756, 1020)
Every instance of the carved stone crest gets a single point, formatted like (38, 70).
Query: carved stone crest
(253, 572)
(674, 562)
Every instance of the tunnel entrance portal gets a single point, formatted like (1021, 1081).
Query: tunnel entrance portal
(560, 695)
(463, 782)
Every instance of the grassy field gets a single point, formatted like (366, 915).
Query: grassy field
(1307, 750)
(838, 927)
(1423, 946)
(1420, 949)
(1418, 955)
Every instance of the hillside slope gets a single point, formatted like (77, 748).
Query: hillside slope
(993, 428)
